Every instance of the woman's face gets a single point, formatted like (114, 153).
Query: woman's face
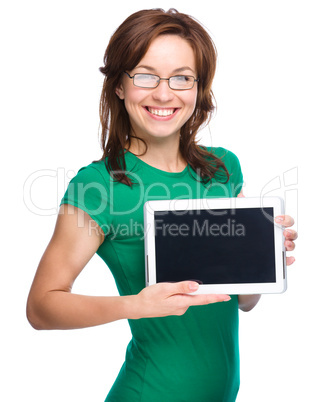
(158, 113)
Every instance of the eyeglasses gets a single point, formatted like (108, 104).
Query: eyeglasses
(177, 82)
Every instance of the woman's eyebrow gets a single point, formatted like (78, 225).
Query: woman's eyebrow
(146, 68)
(177, 70)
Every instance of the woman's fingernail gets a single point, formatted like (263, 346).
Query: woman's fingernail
(193, 286)
(279, 219)
(227, 298)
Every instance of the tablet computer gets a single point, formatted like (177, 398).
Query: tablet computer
(228, 245)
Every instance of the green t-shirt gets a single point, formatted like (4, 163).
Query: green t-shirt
(193, 357)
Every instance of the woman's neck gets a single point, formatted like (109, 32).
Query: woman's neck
(159, 155)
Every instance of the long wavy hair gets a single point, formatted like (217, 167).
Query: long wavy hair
(126, 48)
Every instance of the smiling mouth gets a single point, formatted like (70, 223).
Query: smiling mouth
(161, 112)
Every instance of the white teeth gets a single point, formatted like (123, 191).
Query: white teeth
(161, 112)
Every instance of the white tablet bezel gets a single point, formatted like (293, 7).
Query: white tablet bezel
(219, 203)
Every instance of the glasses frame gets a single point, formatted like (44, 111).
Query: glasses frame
(163, 79)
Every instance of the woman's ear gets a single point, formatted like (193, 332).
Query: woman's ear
(120, 91)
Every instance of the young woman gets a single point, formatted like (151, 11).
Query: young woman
(159, 68)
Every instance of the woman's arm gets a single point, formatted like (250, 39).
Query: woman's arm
(248, 302)
(51, 305)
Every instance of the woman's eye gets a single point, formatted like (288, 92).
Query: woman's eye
(183, 78)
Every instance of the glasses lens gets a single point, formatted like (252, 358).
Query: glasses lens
(145, 80)
(181, 82)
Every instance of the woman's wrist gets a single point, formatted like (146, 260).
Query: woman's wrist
(130, 307)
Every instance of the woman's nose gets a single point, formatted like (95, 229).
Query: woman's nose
(163, 92)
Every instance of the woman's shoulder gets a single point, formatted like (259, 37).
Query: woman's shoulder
(95, 171)
(227, 156)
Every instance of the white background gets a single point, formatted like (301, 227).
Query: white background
(267, 89)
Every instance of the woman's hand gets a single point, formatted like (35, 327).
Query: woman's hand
(248, 302)
(286, 221)
(290, 235)
(164, 299)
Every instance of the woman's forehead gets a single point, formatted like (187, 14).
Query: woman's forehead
(169, 52)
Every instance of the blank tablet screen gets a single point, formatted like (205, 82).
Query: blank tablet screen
(215, 246)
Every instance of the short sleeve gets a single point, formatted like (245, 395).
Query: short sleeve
(236, 176)
(233, 166)
(88, 191)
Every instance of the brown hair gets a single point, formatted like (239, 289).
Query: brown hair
(126, 48)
